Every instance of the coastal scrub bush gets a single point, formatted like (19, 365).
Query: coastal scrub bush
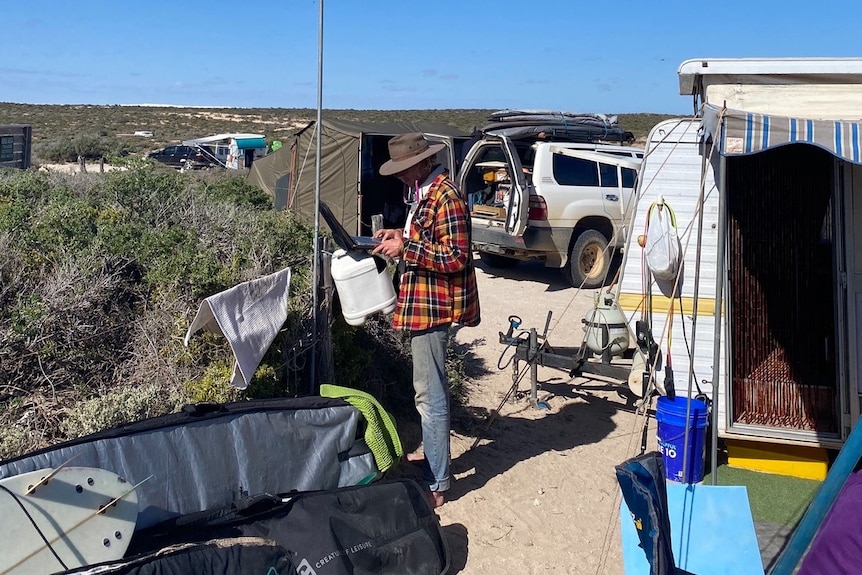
(101, 276)
(87, 146)
(215, 386)
(120, 405)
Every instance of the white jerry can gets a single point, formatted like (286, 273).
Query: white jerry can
(364, 285)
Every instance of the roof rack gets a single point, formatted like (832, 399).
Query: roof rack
(556, 126)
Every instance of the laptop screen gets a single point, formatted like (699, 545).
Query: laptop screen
(341, 236)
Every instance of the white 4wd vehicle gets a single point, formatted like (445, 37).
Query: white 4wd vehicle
(561, 202)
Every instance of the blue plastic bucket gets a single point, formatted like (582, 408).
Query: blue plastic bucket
(670, 415)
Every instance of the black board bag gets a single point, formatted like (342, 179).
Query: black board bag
(383, 528)
(228, 556)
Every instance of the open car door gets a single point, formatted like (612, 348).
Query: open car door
(517, 212)
(450, 161)
(517, 201)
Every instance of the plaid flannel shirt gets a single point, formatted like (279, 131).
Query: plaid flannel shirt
(438, 285)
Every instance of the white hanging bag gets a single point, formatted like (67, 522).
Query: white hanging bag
(662, 248)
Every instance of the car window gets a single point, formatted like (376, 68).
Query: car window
(570, 171)
(608, 175)
(527, 155)
(474, 181)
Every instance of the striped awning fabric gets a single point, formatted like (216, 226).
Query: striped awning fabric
(741, 133)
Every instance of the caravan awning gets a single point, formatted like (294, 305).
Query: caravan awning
(739, 133)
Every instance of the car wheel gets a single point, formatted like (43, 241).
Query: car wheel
(497, 261)
(589, 260)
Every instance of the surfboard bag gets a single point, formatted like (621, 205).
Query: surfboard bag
(386, 527)
(209, 455)
(644, 488)
(225, 556)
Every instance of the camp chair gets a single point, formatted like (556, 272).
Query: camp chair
(642, 480)
(691, 525)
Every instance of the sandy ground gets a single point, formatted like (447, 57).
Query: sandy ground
(535, 490)
(73, 168)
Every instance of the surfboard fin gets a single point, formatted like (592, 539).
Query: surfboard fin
(31, 489)
(104, 507)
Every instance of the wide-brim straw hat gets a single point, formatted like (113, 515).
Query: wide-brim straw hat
(407, 150)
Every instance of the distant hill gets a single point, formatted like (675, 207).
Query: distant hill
(170, 124)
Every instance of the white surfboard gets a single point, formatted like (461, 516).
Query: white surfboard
(52, 520)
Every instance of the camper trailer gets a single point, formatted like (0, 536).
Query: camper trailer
(232, 151)
(15, 142)
(762, 188)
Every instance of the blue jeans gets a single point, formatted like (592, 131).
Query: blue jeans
(432, 402)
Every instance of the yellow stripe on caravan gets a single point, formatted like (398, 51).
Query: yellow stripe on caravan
(661, 304)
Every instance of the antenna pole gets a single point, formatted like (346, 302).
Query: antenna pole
(316, 265)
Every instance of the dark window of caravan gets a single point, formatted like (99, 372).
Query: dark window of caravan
(7, 148)
(575, 171)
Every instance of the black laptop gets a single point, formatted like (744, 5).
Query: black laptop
(344, 240)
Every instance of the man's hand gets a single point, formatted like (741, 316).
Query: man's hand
(390, 247)
(388, 234)
(391, 242)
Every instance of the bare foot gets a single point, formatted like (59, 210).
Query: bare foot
(436, 499)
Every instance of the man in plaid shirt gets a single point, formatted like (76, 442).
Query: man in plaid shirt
(437, 287)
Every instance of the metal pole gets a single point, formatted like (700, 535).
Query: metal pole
(534, 367)
(700, 202)
(720, 278)
(316, 260)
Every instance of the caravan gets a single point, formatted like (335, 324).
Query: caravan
(233, 151)
(765, 314)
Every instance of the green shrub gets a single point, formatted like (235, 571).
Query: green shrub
(87, 146)
(64, 225)
(22, 194)
(118, 406)
(27, 315)
(215, 386)
(237, 191)
(265, 384)
(14, 440)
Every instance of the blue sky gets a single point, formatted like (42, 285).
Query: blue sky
(616, 56)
